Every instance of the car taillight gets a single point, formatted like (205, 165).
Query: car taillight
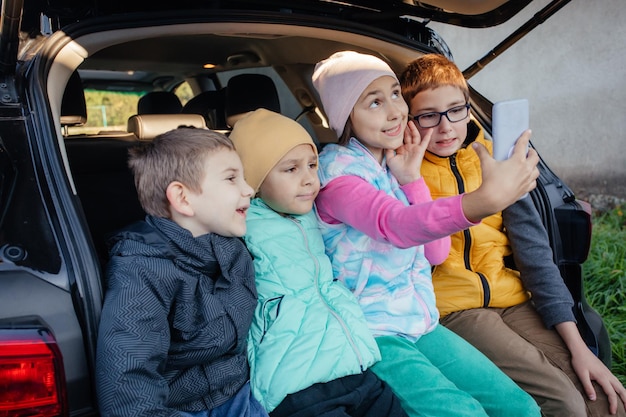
(31, 374)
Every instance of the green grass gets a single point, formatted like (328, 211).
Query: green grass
(605, 281)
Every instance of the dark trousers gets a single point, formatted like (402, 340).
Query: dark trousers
(362, 395)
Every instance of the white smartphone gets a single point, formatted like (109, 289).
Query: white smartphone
(510, 120)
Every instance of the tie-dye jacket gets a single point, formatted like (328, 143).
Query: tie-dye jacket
(393, 285)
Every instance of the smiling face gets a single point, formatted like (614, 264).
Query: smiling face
(220, 207)
(379, 116)
(447, 137)
(292, 185)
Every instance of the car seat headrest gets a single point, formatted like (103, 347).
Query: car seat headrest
(148, 126)
(159, 102)
(73, 106)
(248, 92)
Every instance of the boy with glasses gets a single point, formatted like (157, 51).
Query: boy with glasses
(521, 319)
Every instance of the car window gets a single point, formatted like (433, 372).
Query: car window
(109, 107)
(109, 110)
(184, 92)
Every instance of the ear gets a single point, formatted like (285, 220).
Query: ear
(176, 194)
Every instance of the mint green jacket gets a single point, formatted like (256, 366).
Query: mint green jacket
(307, 327)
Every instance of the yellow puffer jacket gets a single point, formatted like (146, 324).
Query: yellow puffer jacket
(474, 274)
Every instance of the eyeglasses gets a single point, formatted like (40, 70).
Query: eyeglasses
(432, 119)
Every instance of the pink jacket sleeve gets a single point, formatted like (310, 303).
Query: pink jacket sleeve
(352, 200)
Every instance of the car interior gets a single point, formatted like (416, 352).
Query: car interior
(97, 162)
(232, 68)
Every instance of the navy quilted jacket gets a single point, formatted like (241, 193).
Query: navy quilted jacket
(176, 315)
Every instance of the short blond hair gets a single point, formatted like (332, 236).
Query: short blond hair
(431, 71)
(177, 155)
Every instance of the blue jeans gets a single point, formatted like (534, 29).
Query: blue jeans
(243, 404)
(444, 376)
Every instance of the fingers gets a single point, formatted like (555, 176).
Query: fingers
(533, 159)
(621, 392)
(588, 386)
(412, 135)
(389, 154)
(612, 387)
(523, 151)
(532, 156)
(611, 395)
(521, 148)
(482, 152)
(612, 402)
(425, 141)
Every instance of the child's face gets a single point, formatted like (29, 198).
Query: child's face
(379, 116)
(292, 185)
(225, 198)
(447, 137)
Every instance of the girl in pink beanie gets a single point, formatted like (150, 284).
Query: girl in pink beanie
(382, 232)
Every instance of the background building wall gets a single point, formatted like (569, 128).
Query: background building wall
(572, 68)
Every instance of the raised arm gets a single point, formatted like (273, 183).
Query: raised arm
(352, 200)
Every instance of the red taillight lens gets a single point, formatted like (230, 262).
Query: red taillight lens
(31, 374)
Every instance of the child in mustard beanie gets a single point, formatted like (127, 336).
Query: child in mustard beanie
(309, 347)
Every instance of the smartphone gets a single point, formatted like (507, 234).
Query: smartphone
(510, 120)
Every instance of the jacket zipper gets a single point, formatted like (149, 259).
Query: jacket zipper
(319, 293)
(467, 241)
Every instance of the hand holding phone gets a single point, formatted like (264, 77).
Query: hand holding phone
(510, 120)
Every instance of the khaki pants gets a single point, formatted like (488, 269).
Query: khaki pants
(536, 358)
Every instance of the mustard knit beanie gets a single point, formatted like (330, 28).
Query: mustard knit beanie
(262, 138)
(341, 79)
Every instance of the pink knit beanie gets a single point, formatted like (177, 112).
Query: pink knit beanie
(341, 79)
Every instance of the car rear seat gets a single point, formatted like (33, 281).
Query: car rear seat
(105, 186)
(148, 126)
(99, 167)
(100, 172)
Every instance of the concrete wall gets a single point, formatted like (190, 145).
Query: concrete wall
(572, 68)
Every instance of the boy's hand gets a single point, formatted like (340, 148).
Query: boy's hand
(503, 182)
(589, 368)
(406, 161)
